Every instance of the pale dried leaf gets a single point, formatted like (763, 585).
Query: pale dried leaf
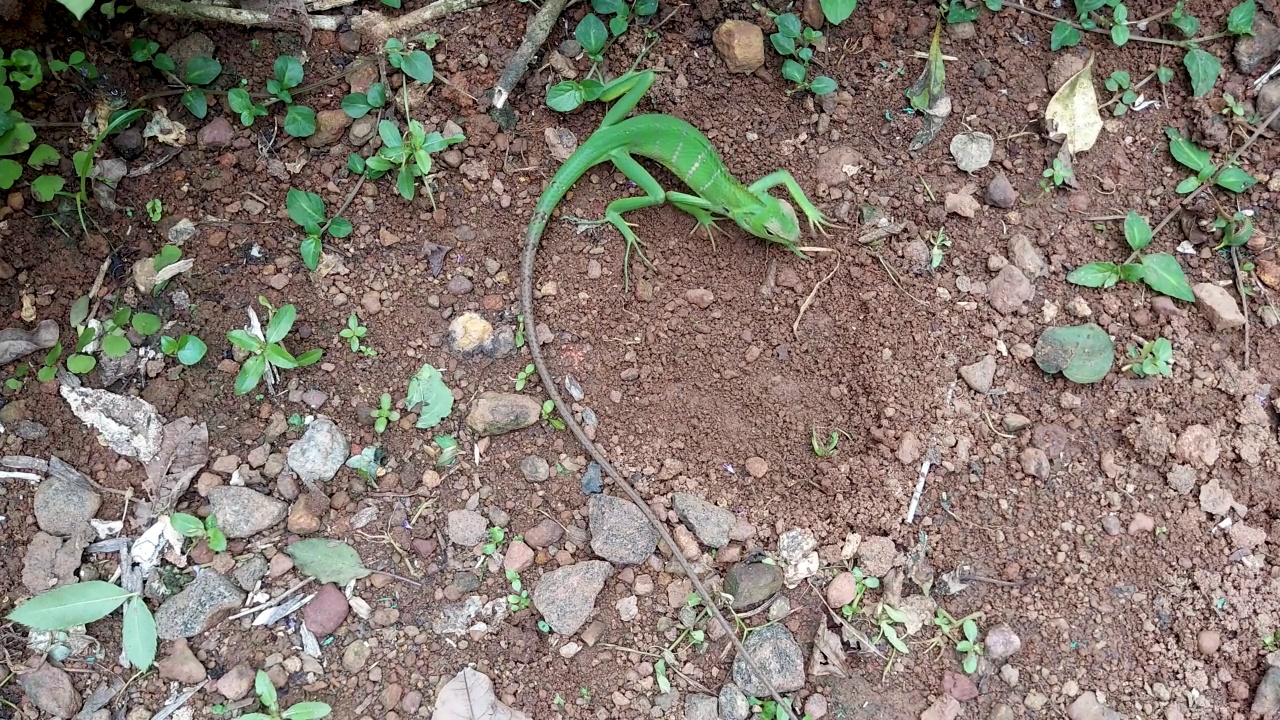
(184, 450)
(1073, 111)
(470, 696)
(828, 654)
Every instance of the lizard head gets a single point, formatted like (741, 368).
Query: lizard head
(770, 219)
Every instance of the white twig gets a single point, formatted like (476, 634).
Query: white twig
(7, 475)
(273, 601)
(915, 496)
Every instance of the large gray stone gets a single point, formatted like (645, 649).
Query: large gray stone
(198, 607)
(320, 452)
(780, 659)
(710, 523)
(566, 597)
(620, 532)
(65, 501)
(243, 512)
(49, 688)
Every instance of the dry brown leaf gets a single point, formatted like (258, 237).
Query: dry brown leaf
(184, 450)
(828, 654)
(1072, 113)
(470, 696)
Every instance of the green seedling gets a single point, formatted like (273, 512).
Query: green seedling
(1271, 642)
(1155, 358)
(369, 464)
(1159, 271)
(148, 51)
(544, 627)
(497, 536)
(83, 163)
(622, 13)
(196, 76)
(266, 693)
(1200, 161)
(87, 601)
(354, 332)
(190, 526)
(585, 692)
(824, 449)
(969, 647)
(77, 61)
(112, 338)
(244, 106)
(519, 598)
(862, 583)
(887, 620)
(307, 210)
(446, 450)
(769, 709)
(523, 376)
(287, 74)
(519, 331)
(938, 249)
(795, 43)
(1235, 232)
(414, 63)
(959, 11)
(383, 414)
(1120, 80)
(269, 351)
(1057, 173)
(1232, 107)
(296, 421)
(155, 209)
(188, 349)
(408, 154)
(357, 105)
(549, 416)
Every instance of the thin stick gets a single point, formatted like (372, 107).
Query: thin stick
(795, 326)
(273, 601)
(401, 578)
(915, 496)
(377, 27)
(536, 34)
(1244, 303)
(235, 16)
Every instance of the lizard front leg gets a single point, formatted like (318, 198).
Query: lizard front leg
(817, 221)
(701, 209)
(654, 195)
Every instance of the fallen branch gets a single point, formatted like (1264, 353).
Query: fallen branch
(536, 34)
(235, 16)
(376, 26)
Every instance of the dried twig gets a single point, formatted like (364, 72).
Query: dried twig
(795, 326)
(235, 16)
(536, 34)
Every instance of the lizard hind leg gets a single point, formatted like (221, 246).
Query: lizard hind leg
(654, 195)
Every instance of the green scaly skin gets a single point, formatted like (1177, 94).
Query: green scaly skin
(687, 153)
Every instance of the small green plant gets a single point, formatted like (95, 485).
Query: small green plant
(414, 63)
(83, 163)
(357, 105)
(242, 104)
(497, 536)
(287, 73)
(1057, 173)
(544, 627)
(837, 11)
(959, 11)
(155, 209)
(266, 693)
(1120, 80)
(77, 61)
(1236, 231)
(862, 583)
(269, 351)
(519, 598)
(769, 709)
(196, 76)
(188, 349)
(969, 647)
(523, 376)
(1200, 161)
(354, 332)
(189, 526)
(519, 331)
(622, 13)
(446, 450)
(938, 249)
(824, 449)
(429, 397)
(85, 602)
(148, 51)
(1272, 641)
(408, 154)
(886, 620)
(585, 692)
(307, 210)
(795, 43)
(1159, 271)
(1232, 107)
(1154, 358)
(549, 415)
(383, 414)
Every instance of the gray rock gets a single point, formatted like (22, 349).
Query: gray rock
(355, 656)
(620, 532)
(1087, 707)
(1266, 699)
(1251, 51)
(16, 342)
(249, 572)
(566, 597)
(575, 389)
(779, 658)
(1111, 525)
(751, 584)
(29, 430)
(495, 413)
(65, 501)
(592, 481)
(710, 523)
(198, 607)
(320, 452)
(700, 707)
(1026, 256)
(535, 469)
(972, 150)
(110, 369)
(49, 688)
(467, 528)
(1009, 290)
(1002, 643)
(980, 375)
(1000, 193)
(733, 704)
(243, 512)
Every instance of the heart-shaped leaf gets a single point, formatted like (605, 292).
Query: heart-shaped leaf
(1083, 354)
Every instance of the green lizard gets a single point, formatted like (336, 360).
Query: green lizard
(687, 153)
(683, 150)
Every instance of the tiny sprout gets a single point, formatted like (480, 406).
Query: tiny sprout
(970, 646)
(354, 332)
(383, 414)
(823, 449)
(1057, 173)
(1155, 358)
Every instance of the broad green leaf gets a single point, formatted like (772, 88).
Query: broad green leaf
(617, 25)
(1188, 24)
(1235, 179)
(196, 103)
(242, 339)
(305, 208)
(788, 24)
(1131, 272)
(81, 364)
(794, 71)
(608, 7)
(1187, 152)
(43, 155)
(17, 139)
(1240, 19)
(10, 171)
(168, 255)
(281, 358)
(239, 101)
(417, 65)
(191, 350)
(377, 95)
(327, 560)
(47, 187)
(250, 373)
(288, 70)
(970, 630)
(355, 164)
(1204, 68)
(822, 85)
(1164, 74)
(307, 711)
(429, 397)
(340, 227)
(1137, 232)
(281, 323)
(310, 249)
(70, 605)
(356, 105)
(310, 357)
(591, 34)
(146, 323)
(1188, 185)
(891, 634)
(1063, 35)
(1162, 273)
(970, 663)
(265, 690)
(202, 70)
(390, 134)
(645, 8)
(116, 346)
(782, 44)
(187, 525)
(1120, 35)
(1095, 275)
(77, 7)
(1083, 354)
(404, 183)
(300, 121)
(958, 12)
(139, 633)
(163, 62)
(837, 11)
(931, 85)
